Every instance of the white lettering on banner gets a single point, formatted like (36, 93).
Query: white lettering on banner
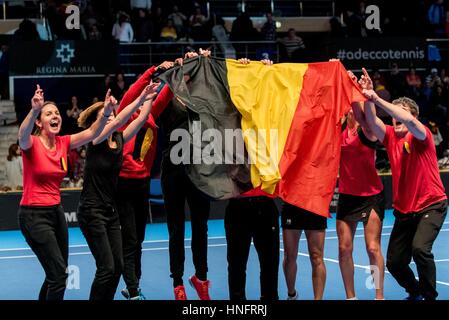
(373, 20)
(73, 278)
(70, 216)
(73, 20)
(361, 54)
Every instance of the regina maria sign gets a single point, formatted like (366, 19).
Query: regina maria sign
(63, 57)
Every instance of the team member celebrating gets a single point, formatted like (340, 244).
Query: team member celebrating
(97, 212)
(41, 217)
(419, 198)
(293, 221)
(360, 199)
(134, 180)
(177, 188)
(252, 219)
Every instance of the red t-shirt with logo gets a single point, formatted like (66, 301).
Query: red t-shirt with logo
(414, 167)
(43, 172)
(358, 174)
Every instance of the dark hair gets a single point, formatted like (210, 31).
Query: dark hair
(12, 151)
(37, 130)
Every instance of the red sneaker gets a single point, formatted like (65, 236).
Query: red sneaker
(180, 293)
(201, 287)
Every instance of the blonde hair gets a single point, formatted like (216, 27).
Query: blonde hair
(88, 116)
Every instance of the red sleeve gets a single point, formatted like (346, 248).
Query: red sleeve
(388, 132)
(136, 88)
(161, 102)
(426, 142)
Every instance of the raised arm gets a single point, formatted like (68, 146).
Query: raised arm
(126, 113)
(88, 135)
(357, 108)
(26, 128)
(134, 127)
(399, 113)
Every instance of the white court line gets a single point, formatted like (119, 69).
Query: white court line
(158, 241)
(363, 267)
(86, 246)
(210, 238)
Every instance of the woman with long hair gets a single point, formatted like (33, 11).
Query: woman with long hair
(97, 212)
(41, 217)
(14, 168)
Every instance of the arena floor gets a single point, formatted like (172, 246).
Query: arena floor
(21, 274)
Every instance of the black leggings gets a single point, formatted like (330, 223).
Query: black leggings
(101, 228)
(133, 209)
(178, 188)
(45, 231)
(252, 219)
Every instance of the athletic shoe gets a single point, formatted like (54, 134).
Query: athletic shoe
(125, 293)
(180, 293)
(415, 298)
(353, 298)
(201, 287)
(294, 297)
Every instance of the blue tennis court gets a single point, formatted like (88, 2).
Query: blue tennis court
(21, 274)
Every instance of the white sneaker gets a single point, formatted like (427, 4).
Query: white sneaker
(295, 297)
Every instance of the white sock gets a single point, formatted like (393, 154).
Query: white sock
(353, 298)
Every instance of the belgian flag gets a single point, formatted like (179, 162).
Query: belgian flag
(287, 118)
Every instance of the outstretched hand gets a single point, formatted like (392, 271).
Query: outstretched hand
(109, 103)
(37, 102)
(165, 65)
(365, 81)
(150, 91)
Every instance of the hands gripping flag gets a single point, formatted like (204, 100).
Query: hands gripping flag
(285, 117)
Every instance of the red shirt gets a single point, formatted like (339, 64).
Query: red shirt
(358, 174)
(43, 172)
(133, 168)
(414, 167)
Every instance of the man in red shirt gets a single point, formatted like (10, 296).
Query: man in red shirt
(419, 198)
(134, 180)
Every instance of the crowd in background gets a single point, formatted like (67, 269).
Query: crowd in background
(187, 21)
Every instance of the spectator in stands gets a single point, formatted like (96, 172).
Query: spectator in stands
(353, 24)
(78, 170)
(269, 28)
(158, 21)
(437, 138)
(439, 103)
(433, 79)
(119, 86)
(73, 112)
(293, 45)
(137, 5)
(143, 27)
(89, 17)
(179, 20)
(413, 80)
(122, 29)
(336, 27)
(94, 33)
(197, 18)
(27, 31)
(447, 24)
(437, 18)
(396, 82)
(105, 85)
(13, 168)
(168, 32)
(197, 25)
(4, 72)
